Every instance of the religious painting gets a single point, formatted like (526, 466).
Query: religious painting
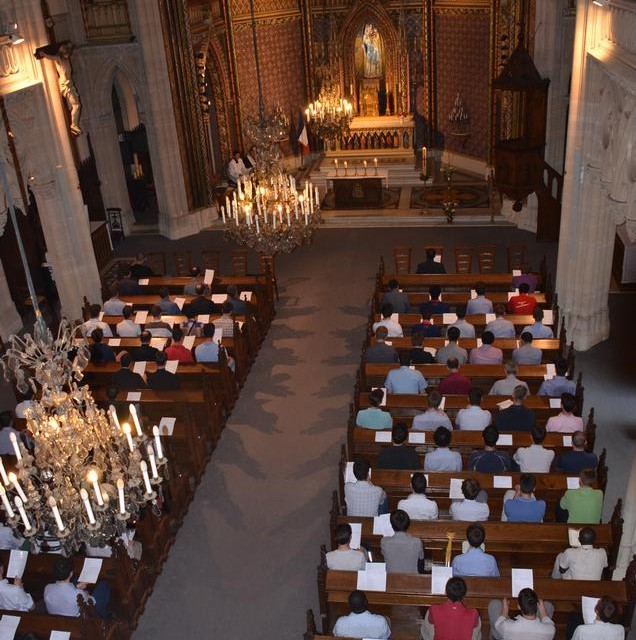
(370, 67)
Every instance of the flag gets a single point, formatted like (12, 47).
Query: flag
(302, 133)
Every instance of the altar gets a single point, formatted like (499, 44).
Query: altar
(358, 192)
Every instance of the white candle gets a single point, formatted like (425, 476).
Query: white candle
(317, 196)
(336, 162)
(13, 479)
(153, 463)
(5, 501)
(120, 494)
(87, 506)
(92, 478)
(23, 515)
(113, 415)
(365, 164)
(288, 219)
(126, 430)
(155, 433)
(133, 413)
(258, 228)
(375, 161)
(56, 513)
(16, 446)
(144, 472)
(223, 213)
(3, 474)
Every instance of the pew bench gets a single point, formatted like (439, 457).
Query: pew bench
(458, 298)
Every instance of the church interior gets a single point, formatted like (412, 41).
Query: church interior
(207, 205)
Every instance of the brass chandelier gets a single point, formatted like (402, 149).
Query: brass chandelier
(331, 114)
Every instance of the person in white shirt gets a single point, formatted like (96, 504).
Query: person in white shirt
(344, 558)
(442, 458)
(8, 540)
(13, 597)
(583, 562)
(535, 458)
(236, 168)
(473, 417)
(361, 623)
(127, 328)
(534, 622)
(603, 627)
(394, 328)
(469, 509)
(94, 322)
(416, 504)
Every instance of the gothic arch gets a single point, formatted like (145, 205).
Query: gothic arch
(221, 95)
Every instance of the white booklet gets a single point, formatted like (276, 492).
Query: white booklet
(382, 525)
(356, 534)
(439, 577)
(8, 627)
(90, 570)
(417, 437)
(521, 579)
(17, 563)
(209, 276)
(166, 426)
(373, 578)
(383, 436)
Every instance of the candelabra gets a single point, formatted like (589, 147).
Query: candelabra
(88, 475)
(330, 115)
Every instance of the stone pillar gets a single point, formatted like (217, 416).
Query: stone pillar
(10, 321)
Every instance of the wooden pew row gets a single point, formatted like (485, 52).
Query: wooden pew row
(414, 591)
(507, 541)
(456, 298)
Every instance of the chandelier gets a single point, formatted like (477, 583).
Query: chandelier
(330, 115)
(89, 475)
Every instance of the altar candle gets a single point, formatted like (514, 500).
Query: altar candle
(16, 485)
(307, 115)
(144, 472)
(126, 430)
(345, 165)
(87, 505)
(92, 478)
(424, 155)
(365, 164)
(56, 513)
(133, 413)
(223, 213)
(317, 196)
(16, 446)
(23, 515)
(5, 501)
(3, 474)
(336, 162)
(375, 161)
(155, 433)
(153, 463)
(120, 494)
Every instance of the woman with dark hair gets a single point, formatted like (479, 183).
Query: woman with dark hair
(604, 626)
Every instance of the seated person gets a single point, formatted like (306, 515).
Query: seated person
(236, 169)
(486, 354)
(405, 380)
(128, 328)
(226, 321)
(393, 326)
(489, 460)
(566, 421)
(442, 458)
(479, 304)
(418, 355)
(344, 558)
(520, 505)
(13, 597)
(94, 322)
(416, 504)
(539, 330)
(433, 417)
(426, 327)
(430, 265)
(452, 349)
(559, 383)
(525, 353)
(139, 267)
(176, 351)
(7, 429)
(583, 505)
(500, 327)
(506, 386)
(398, 299)
(470, 509)
(573, 462)
(208, 350)
(100, 352)
(134, 548)
(189, 289)
(400, 455)
(473, 417)
(535, 458)
(435, 304)
(157, 327)
(523, 303)
(517, 417)
(125, 378)
(8, 540)
(127, 285)
(380, 352)
(605, 625)
(583, 562)
(455, 383)
(466, 330)
(60, 597)
(114, 305)
(361, 623)
(402, 552)
(191, 325)
(239, 307)
(363, 498)
(200, 304)
(474, 561)
(167, 306)
(162, 380)
(535, 621)
(374, 417)
(452, 620)
(144, 353)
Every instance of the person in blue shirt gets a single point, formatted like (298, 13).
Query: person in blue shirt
(522, 506)
(475, 562)
(100, 352)
(480, 304)
(426, 327)
(405, 379)
(538, 330)
(434, 305)
(442, 458)
(167, 306)
(374, 417)
(573, 462)
(559, 384)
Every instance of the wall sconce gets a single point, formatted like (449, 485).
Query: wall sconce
(9, 34)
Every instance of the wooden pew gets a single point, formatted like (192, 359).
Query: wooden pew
(456, 298)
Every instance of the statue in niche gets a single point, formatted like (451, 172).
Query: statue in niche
(369, 71)
(372, 52)
(60, 54)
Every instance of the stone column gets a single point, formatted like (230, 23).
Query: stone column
(10, 321)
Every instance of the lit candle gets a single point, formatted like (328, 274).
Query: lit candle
(92, 478)
(375, 162)
(345, 165)
(87, 506)
(126, 430)
(56, 513)
(424, 154)
(288, 218)
(307, 115)
(301, 199)
(133, 413)
(155, 433)
(317, 196)
(365, 164)
(258, 228)
(223, 213)
(153, 462)
(23, 515)
(13, 479)
(336, 162)
(5, 501)
(113, 415)
(120, 494)
(16, 446)
(3, 474)
(144, 472)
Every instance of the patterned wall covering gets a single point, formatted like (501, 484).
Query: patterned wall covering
(463, 64)
(261, 6)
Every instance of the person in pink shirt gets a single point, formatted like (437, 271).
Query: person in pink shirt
(486, 354)
(566, 421)
(176, 351)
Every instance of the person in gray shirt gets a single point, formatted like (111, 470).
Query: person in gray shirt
(380, 352)
(403, 553)
(466, 330)
(452, 349)
(500, 327)
(433, 417)
(397, 298)
(506, 386)
(526, 353)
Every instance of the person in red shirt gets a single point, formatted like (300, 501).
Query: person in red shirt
(176, 351)
(455, 383)
(452, 620)
(523, 303)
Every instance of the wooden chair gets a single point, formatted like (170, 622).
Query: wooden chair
(182, 263)
(516, 256)
(268, 263)
(402, 257)
(464, 259)
(239, 262)
(211, 260)
(157, 262)
(487, 258)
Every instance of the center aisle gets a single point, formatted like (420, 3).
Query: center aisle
(243, 564)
